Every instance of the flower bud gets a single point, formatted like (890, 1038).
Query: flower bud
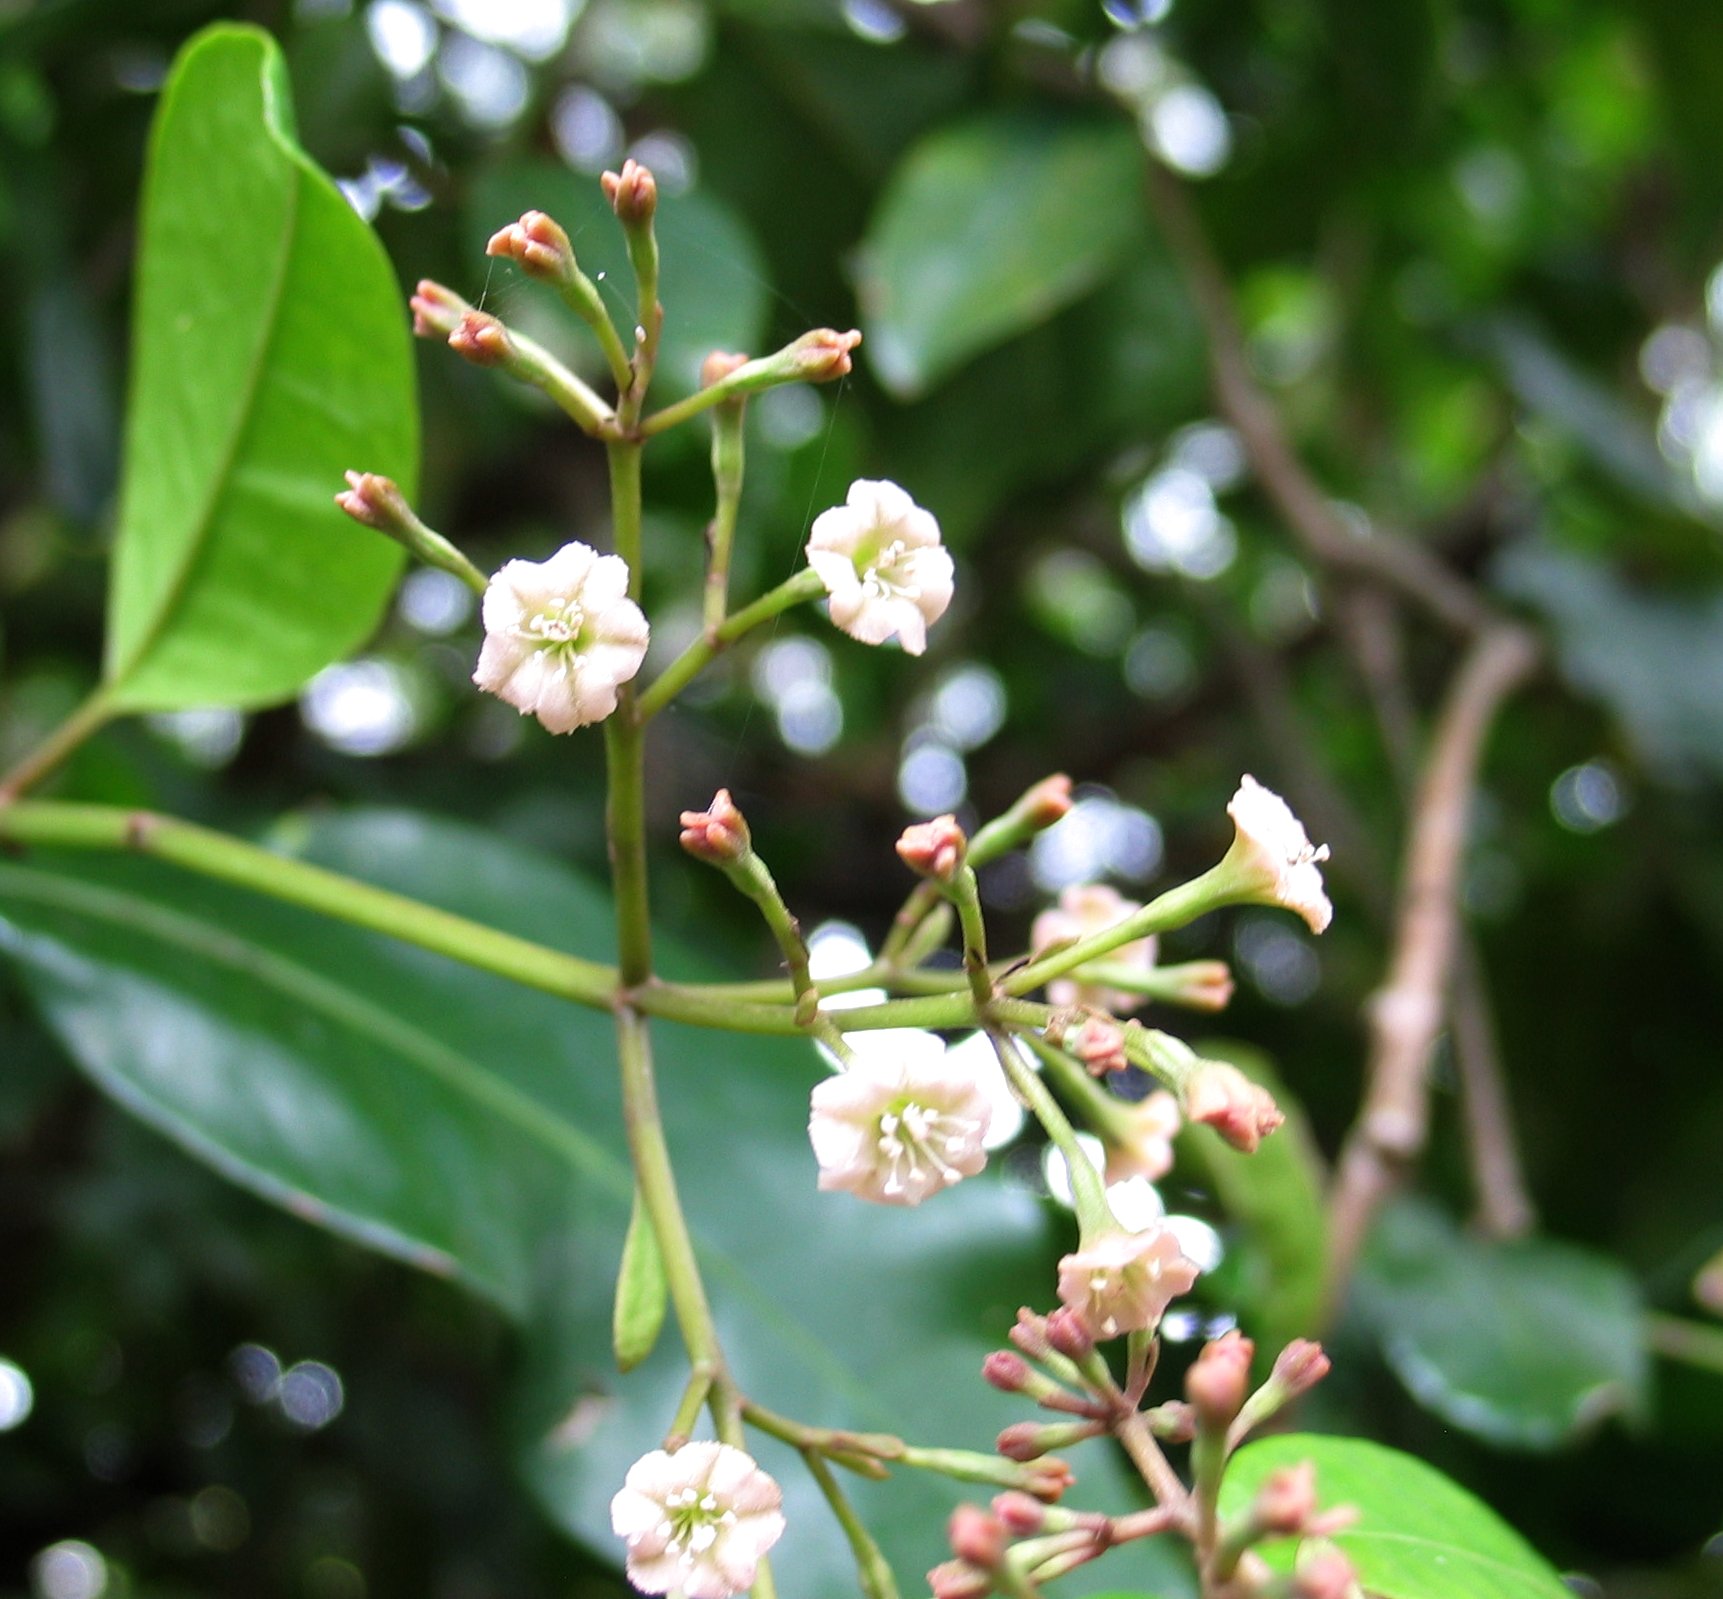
(1222, 1097)
(1005, 1371)
(632, 192)
(822, 355)
(437, 311)
(1100, 1044)
(1300, 1367)
(718, 366)
(1030, 1334)
(1217, 1383)
(1030, 1440)
(1324, 1573)
(480, 338)
(717, 835)
(1020, 1514)
(1047, 1478)
(376, 502)
(1173, 1421)
(1286, 1500)
(1069, 1334)
(934, 849)
(538, 244)
(976, 1536)
(1199, 985)
(1049, 801)
(957, 1579)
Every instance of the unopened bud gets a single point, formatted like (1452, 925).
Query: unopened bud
(1286, 1500)
(1300, 1367)
(1199, 985)
(375, 501)
(1047, 1478)
(717, 835)
(1219, 1379)
(1049, 801)
(1173, 1421)
(480, 338)
(538, 244)
(976, 1536)
(1030, 1334)
(1100, 1044)
(957, 1579)
(437, 311)
(934, 849)
(1324, 1573)
(718, 366)
(1031, 1440)
(1069, 1334)
(1223, 1098)
(1005, 1371)
(632, 192)
(1021, 1515)
(822, 355)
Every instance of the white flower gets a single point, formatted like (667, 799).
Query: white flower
(1142, 1143)
(896, 1128)
(560, 636)
(879, 556)
(1084, 909)
(1272, 855)
(1122, 1282)
(697, 1521)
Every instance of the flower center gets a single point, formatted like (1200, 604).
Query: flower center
(915, 1139)
(1307, 854)
(691, 1524)
(888, 573)
(558, 624)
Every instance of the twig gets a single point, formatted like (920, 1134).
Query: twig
(1505, 1209)
(1406, 1012)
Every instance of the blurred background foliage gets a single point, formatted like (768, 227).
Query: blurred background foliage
(1476, 249)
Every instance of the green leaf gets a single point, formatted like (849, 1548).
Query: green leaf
(270, 353)
(987, 229)
(642, 1292)
(1523, 1343)
(713, 281)
(474, 1128)
(1419, 1535)
(1276, 1195)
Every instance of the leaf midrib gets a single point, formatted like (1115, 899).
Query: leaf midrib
(1495, 1564)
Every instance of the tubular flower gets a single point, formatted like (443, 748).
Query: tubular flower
(1122, 1282)
(561, 636)
(1143, 1145)
(1084, 909)
(896, 1128)
(881, 561)
(697, 1521)
(1272, 856)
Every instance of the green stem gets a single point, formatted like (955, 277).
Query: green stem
(625, 502)
(529, 362)
(1692, 1342)
(1107, 1114)
(89, 718)
(752, 876)
(1088, 1193)
(805, 585)
(727, 465)
(580, 294)
(694, 1398)
(873, 1571)
(965, 894)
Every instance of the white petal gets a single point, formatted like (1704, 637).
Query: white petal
(838, 530)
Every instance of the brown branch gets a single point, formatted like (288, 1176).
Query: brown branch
(1504, 1206)
(1406, 1012)
(1395, 562)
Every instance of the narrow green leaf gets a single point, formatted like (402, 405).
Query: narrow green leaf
(987, 229)
(642, 1293)
(270, 353)
(1418, 1536)
(1523, 1343)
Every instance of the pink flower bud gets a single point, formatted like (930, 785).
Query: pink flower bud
(1325, 1573)
(1069, 1334)
(538, 244)
(375, 501)
(1286, 1500)
(976, 1536)
(823, 355)
(436, 311)
(1020, 1514)
(1030, 1334)
(1222, 1097)
(632, 192)
(1005, 1371)
(1100, 1044)
(1047, 802)
(1217, 1383)
(1173, 1421)
(1140, 1141)
(718, 366)
(957, 1579)
(480, 338)
(1300, 1367)
(1048, 1478)
(1030, 1440)
(934, 849)
(1201, 985)
(717, 835)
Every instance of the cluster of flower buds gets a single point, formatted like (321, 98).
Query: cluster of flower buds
(1019, 1544)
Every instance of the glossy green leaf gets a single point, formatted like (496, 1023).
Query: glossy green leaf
(713, 284)
(988, 228)
(270, 353)
(475, 1129)
(1419, 1535)
(642, 1293)
(1275, 1195)
(1523, 1343)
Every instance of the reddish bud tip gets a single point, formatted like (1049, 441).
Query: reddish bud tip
(1222, 1097)
(824, 354)
(717, 835)
(537, 243)
(1324, 1573)
(1069, 1334)
(1300, 1367)
(1205, 985)
(373, 500)
(436, 311)
(1219, 1380)
(1286, 1500)
(1100, 1044)
(718, 366)
(1022, 1515)
(957, 1579)
(1006, 1371)
(1030, 1334)
(1022, 1440)
(1173, 1422)
(1048, 1478)
(976, 1536)
(1047, 802)
(934, 849)
(480, 338)
(632, 192)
